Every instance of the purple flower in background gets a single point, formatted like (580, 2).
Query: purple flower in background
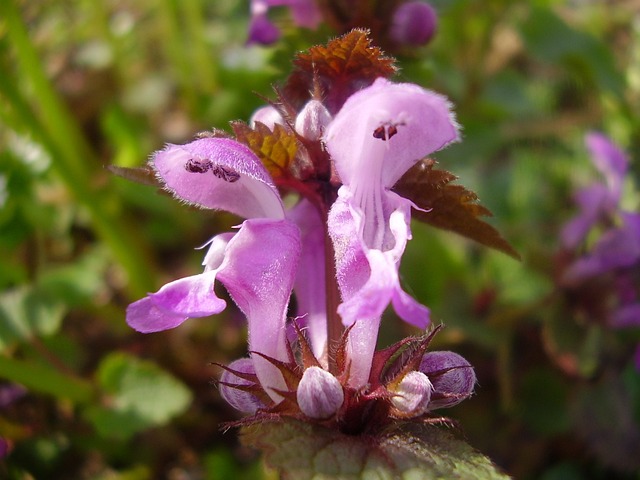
(611, 256)
(305, 13)
(9, 393)
(404, 26)
(600, 200)
(414, 24)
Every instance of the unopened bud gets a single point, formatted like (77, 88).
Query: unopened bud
(414, 24)
(312, 120)
(262, 31)
(268, 115)
(237, 398)
(413, 393)
(319, 393)
(452, 376)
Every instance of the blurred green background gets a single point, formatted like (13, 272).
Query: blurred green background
(85, 84)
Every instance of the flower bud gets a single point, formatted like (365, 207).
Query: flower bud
(262, 31)
(268, 115)
(237, 398)
(319, 393)
(312, 120)
(453, 378)
(413, 393)
(414, 24)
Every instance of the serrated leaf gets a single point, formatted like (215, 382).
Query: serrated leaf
(275, 148)
(303, 451)
(449, 207)
(141, 395)
(344, 65)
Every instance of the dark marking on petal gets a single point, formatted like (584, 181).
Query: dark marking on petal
(197, 165)
(386, 130)
(227, 174)
(379, 133)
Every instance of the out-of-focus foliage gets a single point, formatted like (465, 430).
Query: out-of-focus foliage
(87, 84)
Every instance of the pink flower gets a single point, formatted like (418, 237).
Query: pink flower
(380, 132)
(599, 200)
(257, 264)
(613, 256)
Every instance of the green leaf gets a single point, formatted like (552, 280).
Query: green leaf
(543, 397)
(43, 378)
(77, 283)
(140, 396)
(449, 207)
(549, 38)
(26, 312)
(303, 451)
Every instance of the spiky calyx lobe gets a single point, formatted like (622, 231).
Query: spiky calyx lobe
(405, 383)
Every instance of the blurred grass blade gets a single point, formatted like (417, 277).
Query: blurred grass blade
(44, 379)
(71, 155)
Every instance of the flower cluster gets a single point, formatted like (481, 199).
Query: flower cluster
(337, 249)
(411, 23)
(602, 243)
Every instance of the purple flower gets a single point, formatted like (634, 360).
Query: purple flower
(602, 199)
(611, 257)
(305, 13)
(257, 264)
(310, 283)
(414, 24)
(617, 255)
(453, 378)
(617, 248)
(380, 132)
(235, 389)
(9, 393)
(343, 169)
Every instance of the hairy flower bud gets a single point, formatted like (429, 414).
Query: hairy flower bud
(319, 394)
(452, 376)
(268, 115)
(312, 120)
(413, 24)
(237, 398)
(413, 393)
